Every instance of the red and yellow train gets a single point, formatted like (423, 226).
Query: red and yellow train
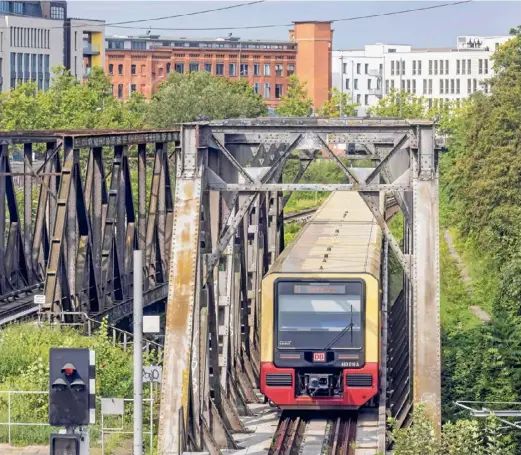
(320, 313)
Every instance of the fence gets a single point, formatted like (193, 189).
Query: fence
(23, 419)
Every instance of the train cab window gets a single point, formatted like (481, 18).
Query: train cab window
(319, 315)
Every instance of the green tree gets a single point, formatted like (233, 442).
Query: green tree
(297, 102)
(399, 104)
(338, 100)
(188, 97)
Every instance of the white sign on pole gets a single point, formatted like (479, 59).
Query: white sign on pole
(151, 324)
(152, 373)
(112, 406)
(39, 299)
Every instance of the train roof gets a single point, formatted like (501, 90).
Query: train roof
(342, 237)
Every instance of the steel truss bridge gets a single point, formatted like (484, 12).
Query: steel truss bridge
(208, 214)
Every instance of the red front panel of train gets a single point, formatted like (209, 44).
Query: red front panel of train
(359, 386)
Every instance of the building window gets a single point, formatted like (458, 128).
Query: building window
(358, 98)
(358, 66)
(469, 87)
(430, 66)
(138, 45)
(219, 69)
(356, 84)
(244, 69)
(160, 72)
(486, 65)
(457, 66)
(347, 84)
(392, 84)
(290, 69)
(40, 71)
(120, 70)
(408, 86)
(111, 69)
(402, 86)
(278, 70)
(474, 84)
(480, 66)
(403, 67)
(369, 84)
(414, 67)
(208, 67)
(194, 67)
(256, 88)
(446, 86)
(179, 68)
(120, 91)
(419, 67)
(366, 68)
(232, 69)
(457, 86)
(441, 66)
(57, 12)
(441, 86)
(267, 70)
(132, 88)
(392, 67)
(344, 68)
(267, 91)
(278, 91)
(256, 70)
(468, 67)
(33, 67)
(366, 100)
(26, 67)
(414, 85)
(387, 86)
(425, 86)
(485, 86)
(116, 44)
(133, 69)
(430, 86)
(168, 68)
(446, 67)
(435, 67)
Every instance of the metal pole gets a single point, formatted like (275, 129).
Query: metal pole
(138, 354)
(342, 86)
(400, 87)
(151, 420)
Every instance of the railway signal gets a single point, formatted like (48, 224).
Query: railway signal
(71, 387)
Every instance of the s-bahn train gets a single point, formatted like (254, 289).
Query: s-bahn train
(320, 312)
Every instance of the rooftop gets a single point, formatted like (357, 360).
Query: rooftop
(228, 39)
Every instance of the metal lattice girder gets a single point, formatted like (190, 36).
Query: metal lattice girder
(182, 289)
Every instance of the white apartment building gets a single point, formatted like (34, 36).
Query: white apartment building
(35, 37)
(440, 73)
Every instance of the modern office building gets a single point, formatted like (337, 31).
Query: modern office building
(141, 63)
(438, 73)
(37, 36)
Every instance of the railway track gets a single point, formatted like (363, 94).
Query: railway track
(301, 215)
(18, 305)
(301, 434)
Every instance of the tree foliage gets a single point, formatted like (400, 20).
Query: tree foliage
(69, 104)
(198, 95)
(297, 102)
(338, 100)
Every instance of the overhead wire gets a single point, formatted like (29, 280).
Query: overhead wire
(354, 18)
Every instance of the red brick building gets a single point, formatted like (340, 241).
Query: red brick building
(141, 63)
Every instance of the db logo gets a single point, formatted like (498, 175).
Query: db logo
(319, 357)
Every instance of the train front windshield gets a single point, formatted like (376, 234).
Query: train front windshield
(319, 315)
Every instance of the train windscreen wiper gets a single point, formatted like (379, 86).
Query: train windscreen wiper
(340, 335)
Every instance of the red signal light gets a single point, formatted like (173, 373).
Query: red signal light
(68, 369)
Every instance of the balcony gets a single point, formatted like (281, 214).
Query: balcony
(375, 91)
(91, 49)
(375, 73)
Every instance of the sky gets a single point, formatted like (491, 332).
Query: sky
(432, 28)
